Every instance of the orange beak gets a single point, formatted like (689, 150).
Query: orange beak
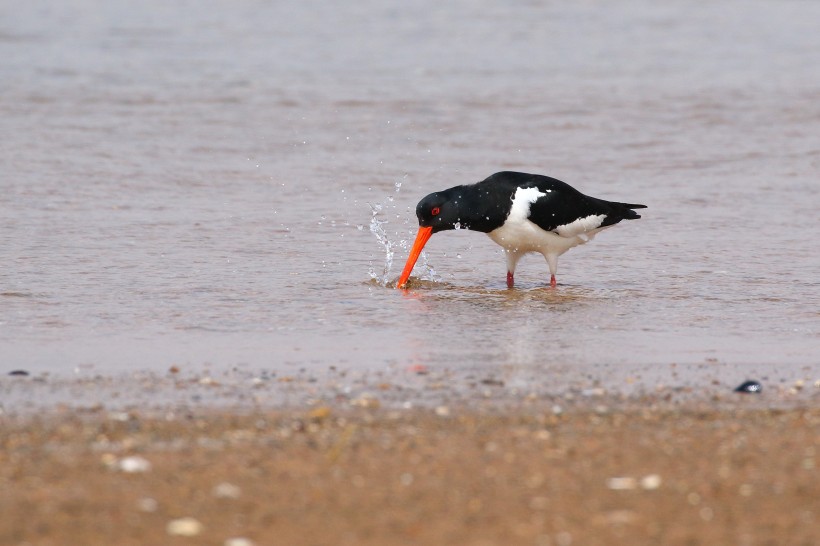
(422, 237)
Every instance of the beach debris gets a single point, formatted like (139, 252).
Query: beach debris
(21, 373)
(134, 464)
(591, 393)
(184, 527)
(616, 517)
(226, 490)
(419, 369)
(239, 541)
(319, 413)
(651, 482)
(542, 435)
(749, 387)
(147, 504)
(366, 400)
(622, 483)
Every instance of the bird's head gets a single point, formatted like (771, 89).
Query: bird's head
(438, 211)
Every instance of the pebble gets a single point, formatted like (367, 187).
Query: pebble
(749, 387)
(651, 482)
(19, 372)
(226, 490)
(134, 464)
(622, 483)
(597, 391)
(147, 504)
(366, 401)
(320, 413)
(542, 435)
(239, 541)
(184, 527)
(442, 411)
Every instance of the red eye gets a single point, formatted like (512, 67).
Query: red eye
(435, 211)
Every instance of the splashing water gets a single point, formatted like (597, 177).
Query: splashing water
(378, 227)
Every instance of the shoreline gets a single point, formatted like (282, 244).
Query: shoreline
(400, 387)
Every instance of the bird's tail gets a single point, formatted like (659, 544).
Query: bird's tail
(630, 214)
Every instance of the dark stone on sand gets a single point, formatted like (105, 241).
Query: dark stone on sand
(18, 372)
(750, 387)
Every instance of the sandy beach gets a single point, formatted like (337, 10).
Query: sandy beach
(560, 471)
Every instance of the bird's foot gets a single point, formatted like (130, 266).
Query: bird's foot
(510, 279)
(553, 282)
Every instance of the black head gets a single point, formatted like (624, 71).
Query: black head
(439, 211)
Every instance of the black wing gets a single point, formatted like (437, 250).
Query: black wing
(562, 205)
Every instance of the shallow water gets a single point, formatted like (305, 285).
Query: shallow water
(194, 185)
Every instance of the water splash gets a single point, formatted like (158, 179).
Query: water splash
(379, 228)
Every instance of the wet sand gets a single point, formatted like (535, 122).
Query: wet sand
(642, 470)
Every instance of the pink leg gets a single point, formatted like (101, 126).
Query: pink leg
(510, 279)
(553, 282)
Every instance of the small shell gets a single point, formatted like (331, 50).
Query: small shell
(750, 387)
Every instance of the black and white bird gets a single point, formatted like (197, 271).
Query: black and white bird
(521, 212)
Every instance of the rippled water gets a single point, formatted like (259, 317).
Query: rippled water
(197, 183)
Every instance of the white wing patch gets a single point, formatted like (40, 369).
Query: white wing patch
(581, 225)
(522, 202)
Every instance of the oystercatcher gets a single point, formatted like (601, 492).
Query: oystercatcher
(521, 212)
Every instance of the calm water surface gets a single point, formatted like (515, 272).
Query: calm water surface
(195, 183)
